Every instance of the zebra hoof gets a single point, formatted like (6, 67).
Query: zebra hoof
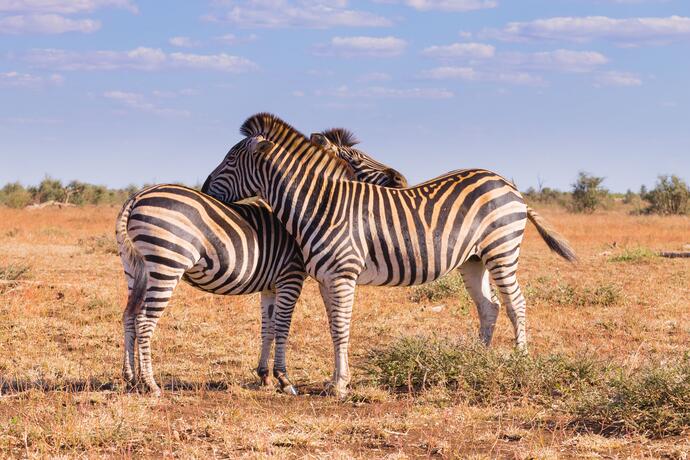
(290, 390)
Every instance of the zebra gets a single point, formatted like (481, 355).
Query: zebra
(354, 233)
(168, 233)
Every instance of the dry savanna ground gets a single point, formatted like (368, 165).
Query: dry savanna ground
(60, 336)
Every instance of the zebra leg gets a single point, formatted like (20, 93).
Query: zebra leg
(476, 278)
(129, 324)
(339, 302)
(157, 298)
(288, 290)
(505, 279)
(268, 299)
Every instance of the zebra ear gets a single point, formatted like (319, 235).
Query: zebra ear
(264, 146)
(320, 140)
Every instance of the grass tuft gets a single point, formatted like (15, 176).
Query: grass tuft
(103, 244)
(14, 272)
(475, 373)
(634, 255)
(569, 295)
(450, 285)
(653, 401)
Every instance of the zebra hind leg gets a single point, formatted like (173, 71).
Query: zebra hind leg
(288, 290)
(128, 367)
(505, 279)
(158, 297)
(476, 278)
(268, 299)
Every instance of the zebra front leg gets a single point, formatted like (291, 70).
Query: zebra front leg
(267, 335)
(341, 296)
(288, 290)
(476, 278)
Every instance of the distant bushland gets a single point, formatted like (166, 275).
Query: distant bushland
(16, 195)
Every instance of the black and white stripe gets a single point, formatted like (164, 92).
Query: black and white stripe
(168, 233)
(353, 233)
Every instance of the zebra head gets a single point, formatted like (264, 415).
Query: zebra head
(236, 177)
(239, 175)
(341, 142)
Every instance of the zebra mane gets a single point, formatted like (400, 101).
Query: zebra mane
(266, 124)
(341, 137)
(276, 130)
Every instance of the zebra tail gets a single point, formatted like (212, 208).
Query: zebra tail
(554, 241)
(133, 262)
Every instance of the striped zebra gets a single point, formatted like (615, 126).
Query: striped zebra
(168, 233)
(354, 233)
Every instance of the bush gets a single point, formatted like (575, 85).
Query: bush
(547, 195)
(14, 195)
(588, 194)
(49, 190)
(670, 196)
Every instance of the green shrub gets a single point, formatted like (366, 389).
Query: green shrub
(588, 194)
(14, 195)
(670, 196)
(450, 285)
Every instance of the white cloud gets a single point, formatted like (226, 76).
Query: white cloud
(450, 73)
(560, 60)
(45, 24)
(519, 68)
(222, 62)
(63, 6)
(232, 39)
(26, 80)
(183, 42)
(374, 76)
(138, 102)
(141, 58)
(451, 5)
(364, 46)
(617, 79)
(381, 92)
(471, 74)
(317, 14)
(50, 16)
(461, 50)
(629, 31)
(167, 94)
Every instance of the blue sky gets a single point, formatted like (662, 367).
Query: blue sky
(127, 91)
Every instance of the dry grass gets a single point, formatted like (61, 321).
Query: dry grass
(61, 343)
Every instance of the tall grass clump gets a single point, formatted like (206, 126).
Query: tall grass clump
(604, 398)
(653, 401)
(475, 373)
